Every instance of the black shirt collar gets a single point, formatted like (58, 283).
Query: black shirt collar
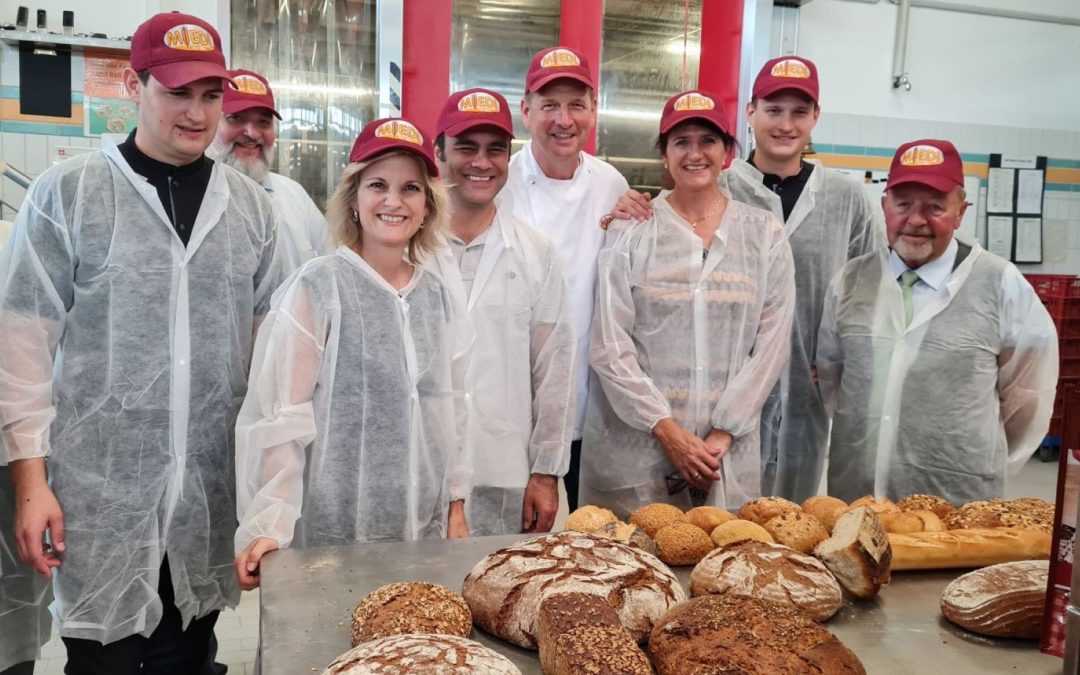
(148, 167)
(771, 180)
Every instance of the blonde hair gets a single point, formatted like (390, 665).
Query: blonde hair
(344, 230)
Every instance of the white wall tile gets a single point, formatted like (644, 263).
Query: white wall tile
(37, 152)
(15, 150)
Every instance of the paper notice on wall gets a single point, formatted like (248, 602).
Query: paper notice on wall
(1019, 161)
(1055, 241)
(103, 75)
(999, 235)
(1029, 191)
(1028, 240)
(999, 191)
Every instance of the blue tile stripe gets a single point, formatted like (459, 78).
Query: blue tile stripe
(46, 128)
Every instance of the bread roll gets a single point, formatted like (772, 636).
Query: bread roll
(878, 506)
(906, 522)
(858, 553)
(599, 650)
(826, 509)
(430, 654)
(717, 634)
(939, 505)
(708, 518)
(589, 518)
(967, 548)
(738, 530)
(770, 571)
(652, 517)
(682, 544)
(505, 589)
(1005, 600)
(416, 607)
(797, 530)
(764, 509)
(631, 535)
(562, 612)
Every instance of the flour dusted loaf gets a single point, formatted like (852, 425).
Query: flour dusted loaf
(731, 634)
(772, 572)
(1005, 600)
(505, 589)
(598, 650)
(561, 613)
(426, 654)
(414, 607)
(858, 552)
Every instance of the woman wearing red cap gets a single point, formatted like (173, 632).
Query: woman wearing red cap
(692, 330)
(348, 433)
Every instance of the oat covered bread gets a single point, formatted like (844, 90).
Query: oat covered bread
(770, 571)
(797, 530)
(738, 530)
(652, 517)
(939, 505)
(589, 518)
(826, 509)
(859, 553)
(562, 612)
(505, 589)
(631, 535)
(413, 607)
(749, 636)
(1027, 513)
(764, 509)
(429, 654)
(1005, 600)
(708, 517)
(598, 650)
(682, 544)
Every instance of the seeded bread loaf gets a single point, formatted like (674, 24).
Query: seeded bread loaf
(1005, 600)
(417, 607)
(858, 553)
(764, 509)
(562, 612)
(429, 654)
(599, 650)
(652, 517)
(797, 530)
(682, 544)
(939, 505)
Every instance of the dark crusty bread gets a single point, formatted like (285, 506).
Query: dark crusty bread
(414, 607)
(598, 650)
(858, 552)
(1005, 600)
(562, 612)
(769, 571)
(749, 636)
(429, 654)
(505, 589)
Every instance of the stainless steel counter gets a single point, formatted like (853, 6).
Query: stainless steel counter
(308, 596)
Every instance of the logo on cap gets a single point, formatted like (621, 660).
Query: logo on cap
(249, 84)
(399, 130)
(791, 68)
(189, 38)
(560, 58)
(694, 101)
(478, 102)
(922, 155)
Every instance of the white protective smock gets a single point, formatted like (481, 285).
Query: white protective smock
(124, 360)
(700, 343)
(521, 384)
(302, 230)
(568, 212)
(350, 429)
(24, 594)
(833, 221)
(945, 405)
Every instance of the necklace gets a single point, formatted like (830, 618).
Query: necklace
(694, 223)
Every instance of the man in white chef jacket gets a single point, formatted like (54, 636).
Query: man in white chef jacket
(557, 187)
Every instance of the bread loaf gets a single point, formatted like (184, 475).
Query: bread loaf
(858, 553)
(906, 522)
(1005, 600)
(797, 530)
(631, 535)
(589, 518)
(769, 571)
(939, 505)
(967, 548)
(429, 654)
(505, 589)
(1026, 514)
(878, 506)
(652, 517)
(826, 509)
(738, 530)
(708, 518)
(598, 650)
(720, 634)
(764, 509)
(418, 607)
(562, 612)
(682, 544)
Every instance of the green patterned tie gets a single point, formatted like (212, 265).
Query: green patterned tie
(907, 280)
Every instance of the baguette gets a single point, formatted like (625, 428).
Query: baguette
(967, 548)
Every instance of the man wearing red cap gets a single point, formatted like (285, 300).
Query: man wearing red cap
(521, 382)
(936, 359)
(131, 289)
(557, 187)
(245, 141)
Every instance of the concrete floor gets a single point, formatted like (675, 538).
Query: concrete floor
(238, 629)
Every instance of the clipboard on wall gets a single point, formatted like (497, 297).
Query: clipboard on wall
(1015, 191)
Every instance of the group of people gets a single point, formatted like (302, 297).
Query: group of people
(197, 368)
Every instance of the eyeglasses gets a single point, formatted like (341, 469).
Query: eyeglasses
(676, 483)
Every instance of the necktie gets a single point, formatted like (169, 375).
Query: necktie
(907, 280)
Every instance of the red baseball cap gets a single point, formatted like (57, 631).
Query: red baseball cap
(248, 90)
(693, 105)
(556, 63)
(178, 49)
(392, 133)
(929, 162)
(472, 108)
(787, 72)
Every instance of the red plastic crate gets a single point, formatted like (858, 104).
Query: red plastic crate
(1066, 327)
(1069, 346)
(1070, 368)
(1048, 286)
(1055, 427)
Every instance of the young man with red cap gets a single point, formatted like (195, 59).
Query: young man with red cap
(132, 286)
(936, 359)
(245, 141)
(521, 384)
(563, 191)
(828, 220)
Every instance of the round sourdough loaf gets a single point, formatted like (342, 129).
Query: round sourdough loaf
(505, 589)
(413, 607)
(1005, 600)
(745, 636)
(429, 654)
(770, 571)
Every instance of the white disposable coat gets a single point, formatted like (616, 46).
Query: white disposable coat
(700, 343)
(302, 231)
(522, 382)
(349, 432)
(124, 360)
(568, 212)
(24, 594)
(832, 222)
(942, 406)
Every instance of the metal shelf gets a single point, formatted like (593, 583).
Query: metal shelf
(14, 37)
